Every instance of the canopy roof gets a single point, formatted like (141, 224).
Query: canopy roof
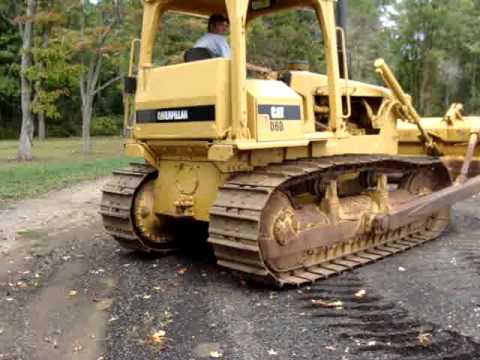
(209, 7)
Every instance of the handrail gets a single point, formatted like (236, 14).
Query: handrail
(132, 56)
(346, 73)
(129, 120)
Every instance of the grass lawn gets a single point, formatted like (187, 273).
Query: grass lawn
(57, 163)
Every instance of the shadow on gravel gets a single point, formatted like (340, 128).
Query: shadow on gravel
(192, 245)
(373, 326)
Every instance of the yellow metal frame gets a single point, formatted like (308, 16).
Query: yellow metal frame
(194, 159)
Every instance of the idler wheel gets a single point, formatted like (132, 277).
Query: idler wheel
(280, 229)
(425, 182)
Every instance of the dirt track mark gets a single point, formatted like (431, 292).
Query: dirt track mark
(53, 213)
(385, 330)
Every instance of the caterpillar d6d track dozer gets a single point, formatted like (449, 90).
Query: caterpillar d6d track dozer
(297, 174)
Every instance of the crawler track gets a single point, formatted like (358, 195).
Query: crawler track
(236, 219)
(116, 206)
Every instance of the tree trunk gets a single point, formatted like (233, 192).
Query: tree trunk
(87, 109)
(41, 126)
(26, 134)
(41, 115)
(90, 78)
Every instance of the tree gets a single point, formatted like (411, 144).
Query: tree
(367, 39)
(26, 134)
(98, 25)
(432, 44)
(53, 73)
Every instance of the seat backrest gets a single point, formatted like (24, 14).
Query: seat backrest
(198, 53)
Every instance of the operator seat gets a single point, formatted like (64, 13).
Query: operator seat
(198, 53)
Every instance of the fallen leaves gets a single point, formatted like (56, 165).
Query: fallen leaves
(361, 293)
(272, 352)
(330, 348)
(103, 304)
(77, 348)
(158, 339)
(97, 271)
(328, 304)
(54, 343)
(425, 339)
(182, 270)
(21, 284)
(72, 293)
(167, 318)
(159, 336)
(215, 354)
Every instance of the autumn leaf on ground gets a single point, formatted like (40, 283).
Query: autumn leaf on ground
(425, 339)
(215, 354)
(361, 293)
(182, 270)
(158, 338)
(72, 293)
(328, 304)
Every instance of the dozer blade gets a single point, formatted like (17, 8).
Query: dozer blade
(427, 204)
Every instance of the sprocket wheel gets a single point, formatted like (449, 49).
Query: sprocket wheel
(155, 231)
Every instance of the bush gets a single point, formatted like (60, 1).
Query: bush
(9, 133)
(107, 126)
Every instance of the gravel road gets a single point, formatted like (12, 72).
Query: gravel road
(69, 292)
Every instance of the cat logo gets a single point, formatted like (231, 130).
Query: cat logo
(277, 112)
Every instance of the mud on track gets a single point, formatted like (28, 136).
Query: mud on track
(122, 298)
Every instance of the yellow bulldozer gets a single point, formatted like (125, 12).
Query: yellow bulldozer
(297, 174)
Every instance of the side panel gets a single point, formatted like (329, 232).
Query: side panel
(275, 111)
(184, 101)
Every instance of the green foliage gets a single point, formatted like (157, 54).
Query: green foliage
(275, 40)
(10, 44)
(433, 46)
(178, 33)
(438, 43)
(107, 126)
(54, 75)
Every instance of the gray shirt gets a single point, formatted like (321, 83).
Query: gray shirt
(215, 43)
